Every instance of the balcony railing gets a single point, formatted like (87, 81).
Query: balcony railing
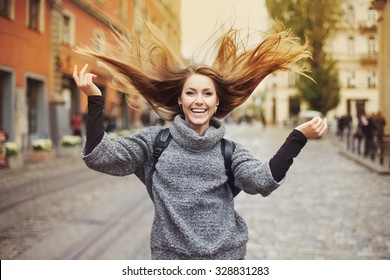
(369, 58)
(365, 58)
(366, 27)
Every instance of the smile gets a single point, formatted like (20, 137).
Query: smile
(198, 110)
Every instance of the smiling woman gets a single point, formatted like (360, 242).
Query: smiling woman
(189, 186)
(199, 102)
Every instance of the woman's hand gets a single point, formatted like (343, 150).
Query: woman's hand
(84, 81)
(313, 128)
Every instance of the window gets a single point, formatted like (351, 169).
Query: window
(274, 80)
(371, 46)
(371, 79)
(350, 15)
(67, 28)
(351, 44)
(7, 8)
(292, 78)
(351, 80)
(371, 17)
(35, 14)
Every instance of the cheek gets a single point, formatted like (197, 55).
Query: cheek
(185, 100)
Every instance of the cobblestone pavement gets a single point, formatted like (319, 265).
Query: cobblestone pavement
(329, 207)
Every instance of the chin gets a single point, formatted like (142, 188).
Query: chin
(197, 121)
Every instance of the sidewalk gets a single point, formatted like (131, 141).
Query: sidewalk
(372, 165)
(31, 166)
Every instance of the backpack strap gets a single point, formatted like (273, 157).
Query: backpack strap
(160, 144)
(227, 149)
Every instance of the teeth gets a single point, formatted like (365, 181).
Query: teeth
(198, 110)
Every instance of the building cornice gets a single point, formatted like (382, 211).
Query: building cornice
(89, 9)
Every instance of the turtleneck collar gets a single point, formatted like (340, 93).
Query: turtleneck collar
(190, 140)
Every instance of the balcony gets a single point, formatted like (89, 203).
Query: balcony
(366, 27)
(369, 59)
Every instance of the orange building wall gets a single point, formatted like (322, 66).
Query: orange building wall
(85, 25)
(24, 49)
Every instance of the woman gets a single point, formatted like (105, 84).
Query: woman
(194, 209)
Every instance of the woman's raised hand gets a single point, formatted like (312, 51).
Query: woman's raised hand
(313, 128)
(84, 81)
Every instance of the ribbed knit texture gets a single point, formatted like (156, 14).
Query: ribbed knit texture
(194, 208)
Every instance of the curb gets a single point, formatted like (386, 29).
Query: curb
(366, 162)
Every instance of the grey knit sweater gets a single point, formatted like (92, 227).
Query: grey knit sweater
(194, 210)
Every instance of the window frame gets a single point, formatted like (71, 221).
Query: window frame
(39, 17)
(9, 9)
(72, 24)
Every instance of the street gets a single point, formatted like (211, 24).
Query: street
(329, 207)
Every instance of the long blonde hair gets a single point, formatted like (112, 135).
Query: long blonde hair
(144, 64)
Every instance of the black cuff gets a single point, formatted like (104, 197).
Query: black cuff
(283, 159)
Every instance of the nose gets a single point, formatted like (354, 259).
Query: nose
(199, 99)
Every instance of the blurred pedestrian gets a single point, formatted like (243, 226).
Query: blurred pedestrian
(368, 135)
(77, 123)
(194, 208)
(3, 152)
(379, 123)
(340, 127)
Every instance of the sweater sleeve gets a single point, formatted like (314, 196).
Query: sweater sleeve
(95, 127)
(283, 159)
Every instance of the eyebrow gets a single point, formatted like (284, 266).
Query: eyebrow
(190, 88)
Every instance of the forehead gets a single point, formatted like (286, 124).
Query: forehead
(199, 81)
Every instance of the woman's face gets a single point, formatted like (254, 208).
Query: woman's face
(198, 101)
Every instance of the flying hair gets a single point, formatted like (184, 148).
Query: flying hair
(143, 63)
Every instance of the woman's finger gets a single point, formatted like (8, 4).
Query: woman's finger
(75, 75)
(84, 69)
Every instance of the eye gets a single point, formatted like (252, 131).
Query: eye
(190, 93)
(208, 93)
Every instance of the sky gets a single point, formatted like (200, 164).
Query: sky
(201, 18)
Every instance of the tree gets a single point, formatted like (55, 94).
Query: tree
(315, 22)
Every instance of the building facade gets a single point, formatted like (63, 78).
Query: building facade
(356, 51)
(37, 93)
(383, 8)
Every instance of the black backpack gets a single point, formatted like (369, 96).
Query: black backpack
(227, 148)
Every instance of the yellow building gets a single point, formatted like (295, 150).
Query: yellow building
(355, 49)
(383, 8)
